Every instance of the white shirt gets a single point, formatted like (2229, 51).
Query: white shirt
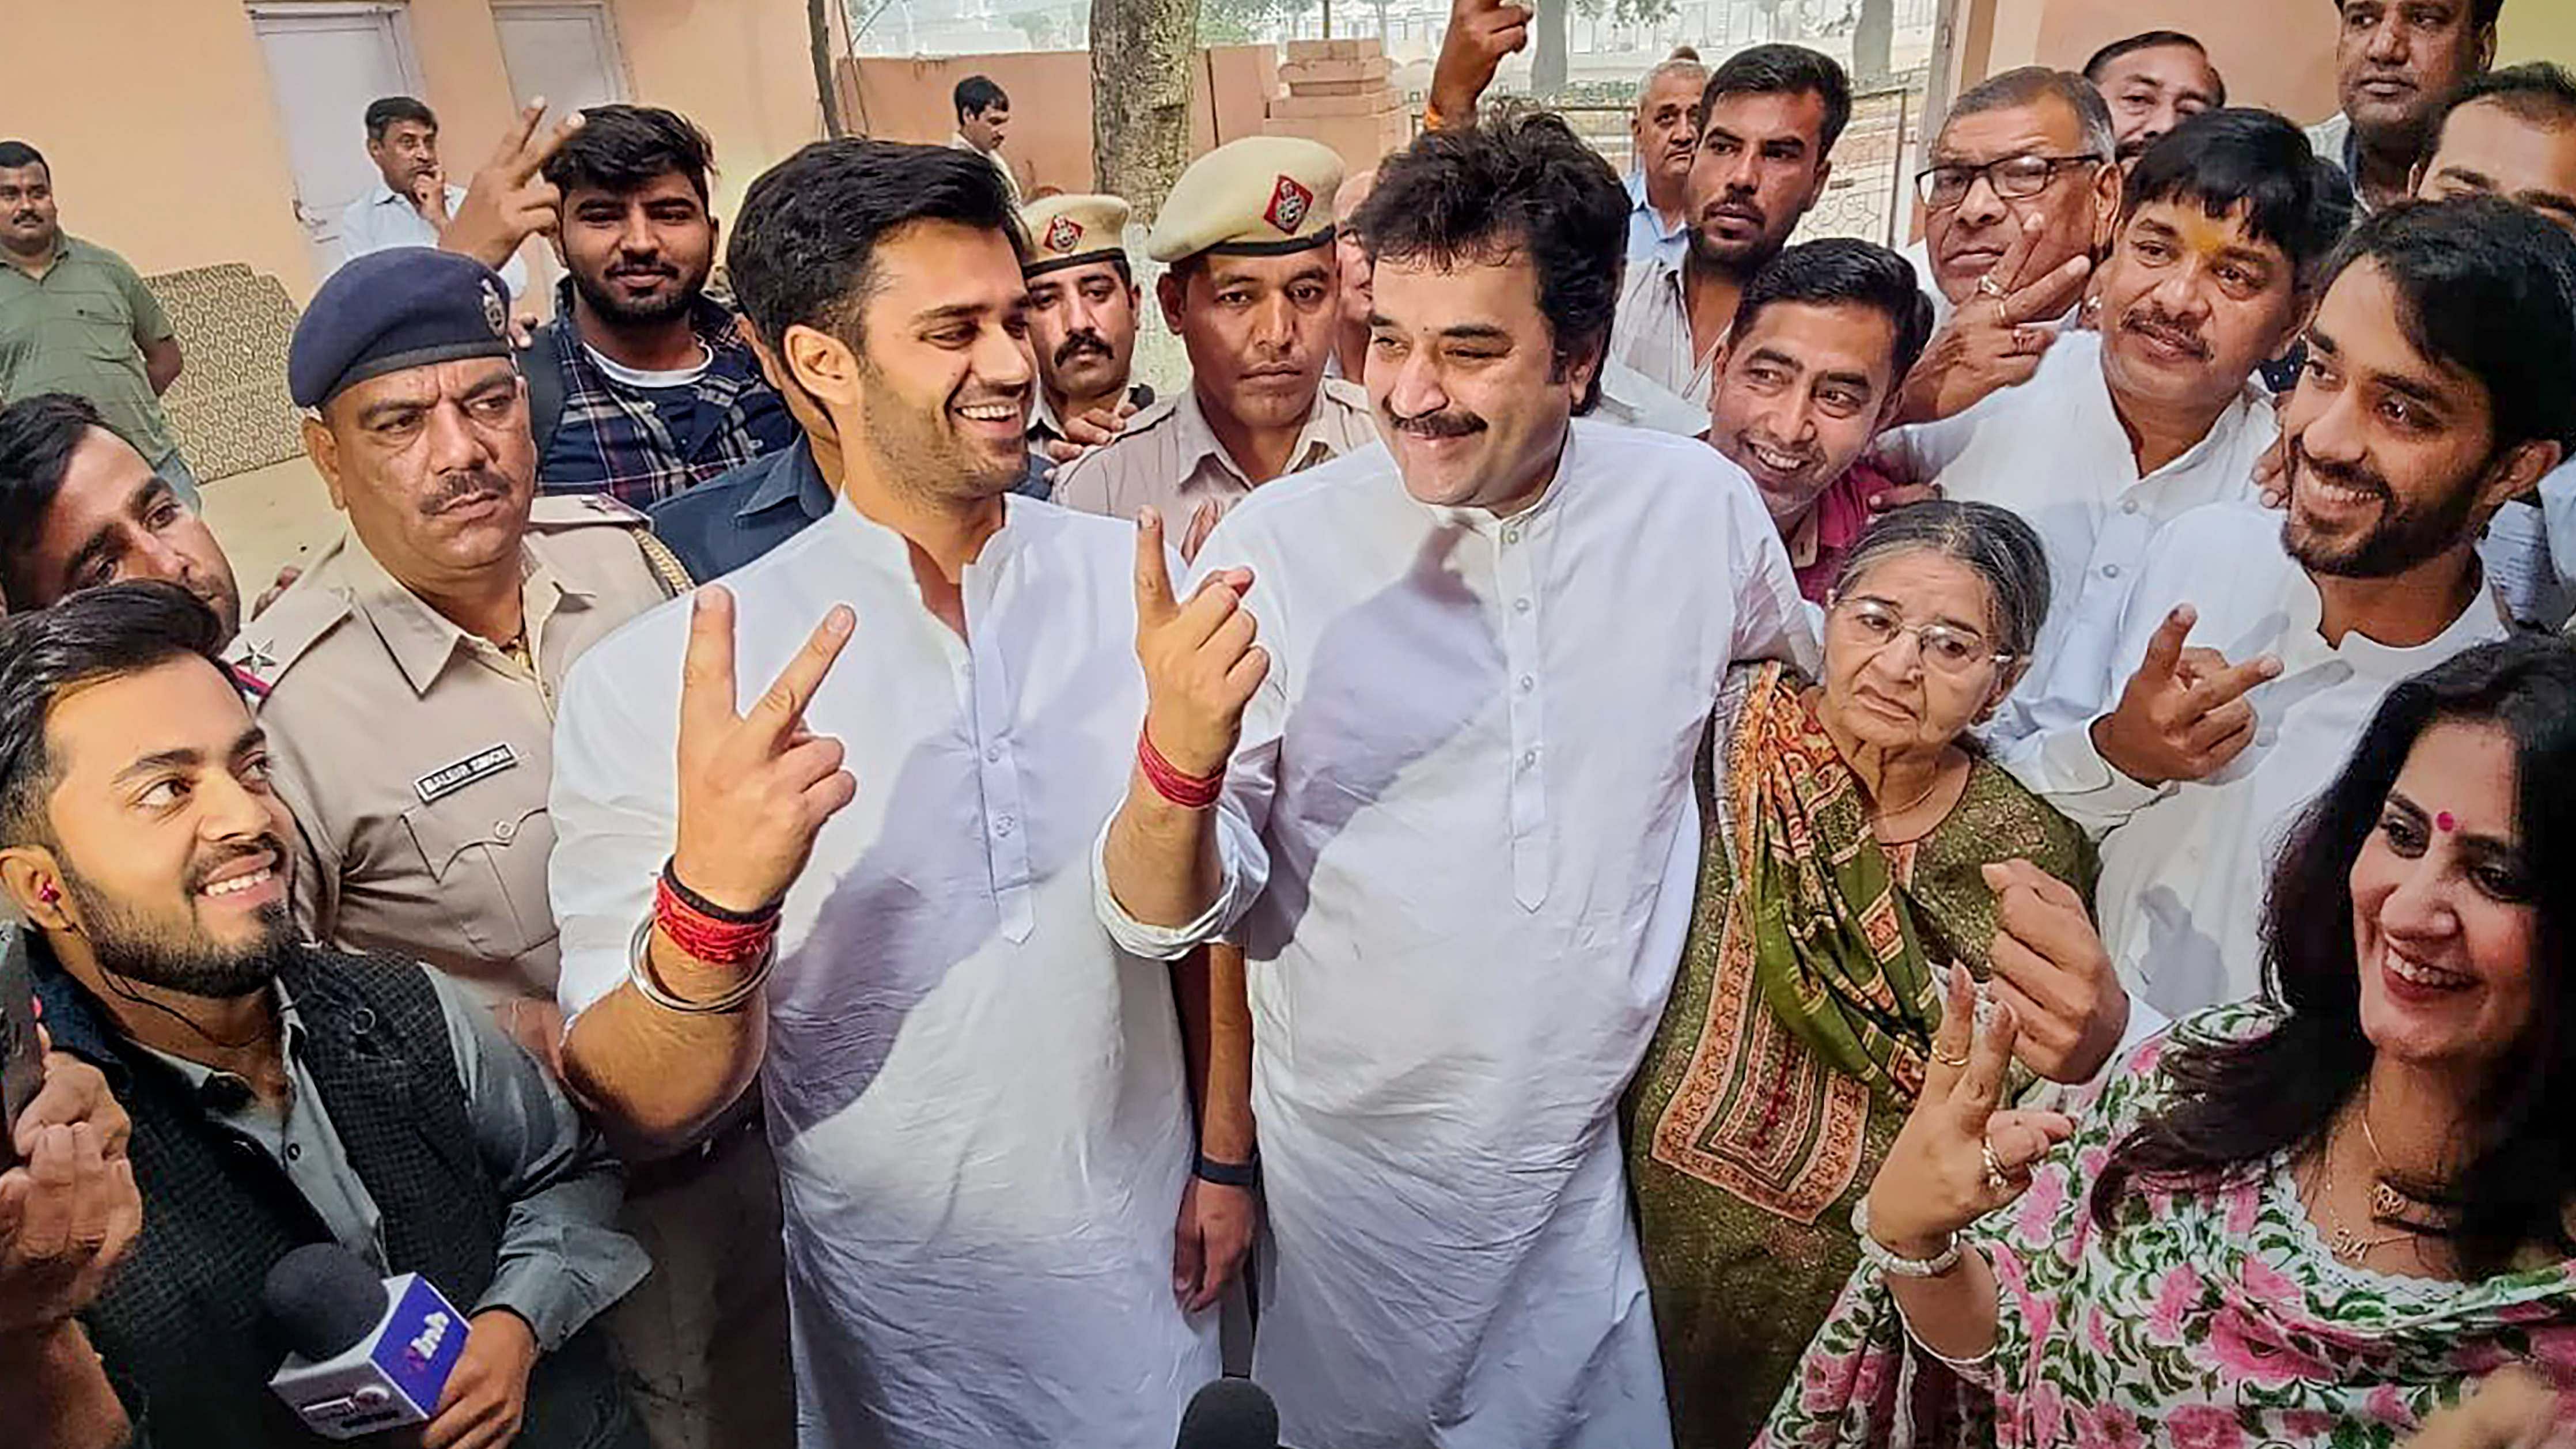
(978, 1104)
(2558, 510)
(2053, 450)
(1459, 844)
(1651, 331)
(2185, 866)
(381, 220)
(1919, 257)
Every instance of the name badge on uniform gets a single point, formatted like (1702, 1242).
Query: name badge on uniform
(448, 779)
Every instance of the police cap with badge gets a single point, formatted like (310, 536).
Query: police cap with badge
(1261, 196)
(399, 308)
(1073, 231)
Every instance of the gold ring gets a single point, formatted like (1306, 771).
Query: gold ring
(1995, 1177)
(1988, 286)
(1960, 1060)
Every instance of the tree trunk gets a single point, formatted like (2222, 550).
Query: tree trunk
(818, 32)
(1873, 40)
(1141, 55)
(1547, 60)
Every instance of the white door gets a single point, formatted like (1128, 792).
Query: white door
(566, 53)
(325, 64)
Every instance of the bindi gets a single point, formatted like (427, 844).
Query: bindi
(2444, 822)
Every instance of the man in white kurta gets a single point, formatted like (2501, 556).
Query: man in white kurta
(1458, 846)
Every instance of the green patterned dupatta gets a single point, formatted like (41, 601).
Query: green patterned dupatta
(1834, 945)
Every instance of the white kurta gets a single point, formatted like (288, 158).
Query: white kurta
(2054, 451)
(1459, 846)
(977, 1102)
(2185, 866)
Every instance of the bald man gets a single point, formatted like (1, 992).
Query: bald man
(1350, 336)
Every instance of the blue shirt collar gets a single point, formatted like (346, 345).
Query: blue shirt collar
(796, 477)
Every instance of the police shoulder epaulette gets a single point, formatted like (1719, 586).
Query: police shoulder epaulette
(556, 511)
(284, 632)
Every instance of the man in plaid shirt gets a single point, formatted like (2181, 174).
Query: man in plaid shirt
(658, 390)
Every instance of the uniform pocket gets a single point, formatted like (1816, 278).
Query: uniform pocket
(490, 870)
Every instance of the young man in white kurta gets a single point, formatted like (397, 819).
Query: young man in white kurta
(2399, 452)
(978, 1103)
(1459, 846)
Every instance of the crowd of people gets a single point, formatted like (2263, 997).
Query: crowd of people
(1605, 831)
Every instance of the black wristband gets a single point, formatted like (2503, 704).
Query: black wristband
(1246, 1175)
(706, 907)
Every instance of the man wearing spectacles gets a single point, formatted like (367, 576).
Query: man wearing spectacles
(2227, 222)
(2017, 204)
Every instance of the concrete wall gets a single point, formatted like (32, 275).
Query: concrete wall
(2276, 53)
(1049, 142)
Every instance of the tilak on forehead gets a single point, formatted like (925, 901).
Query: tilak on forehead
(2445, 822)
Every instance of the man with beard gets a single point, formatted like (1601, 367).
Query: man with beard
(1253, 288)
(2153, 82)
(413, 200)
(409, 683)
(281, 1094)
(2394, 62)
(826, 828)
(2435, 389)
(79, 508)
(1663, 135)
(1449, 827)
(1082, 320)
(1814, 366)
(75, 318)
(1767, 121)
(642, 384)
(2225, 226)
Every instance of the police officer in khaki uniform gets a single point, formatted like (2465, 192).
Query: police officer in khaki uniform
(1253, 290)
(1083, 310)
(408, 683)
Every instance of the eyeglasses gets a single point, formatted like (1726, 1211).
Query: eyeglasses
(2013, 178)
(1946, 648)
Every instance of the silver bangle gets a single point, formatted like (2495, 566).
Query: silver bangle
(1887, 1260)
(639, 970)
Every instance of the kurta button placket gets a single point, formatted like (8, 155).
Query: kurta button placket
(988, 690)
(1523, 656)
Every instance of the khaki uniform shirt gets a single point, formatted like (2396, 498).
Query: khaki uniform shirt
(417, 757)
(1169, 458)
(81, 328)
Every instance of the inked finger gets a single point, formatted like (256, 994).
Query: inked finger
(1981, 1083)
(1154, 600)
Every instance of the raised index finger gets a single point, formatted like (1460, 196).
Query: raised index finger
(1154, 602)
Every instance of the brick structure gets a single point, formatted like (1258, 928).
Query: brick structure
(1340, 92)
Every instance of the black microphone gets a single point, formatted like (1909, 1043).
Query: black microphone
(322, 1300)
(1230, 1414)
(368, 1353)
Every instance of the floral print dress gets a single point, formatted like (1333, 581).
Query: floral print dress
(2214, 1319)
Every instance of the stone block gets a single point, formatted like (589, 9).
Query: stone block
(1296, 105)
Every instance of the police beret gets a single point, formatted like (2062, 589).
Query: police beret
(1260, 196)
(1067, 231)
(389, 310)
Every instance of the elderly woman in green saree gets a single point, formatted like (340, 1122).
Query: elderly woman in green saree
(1856, 848)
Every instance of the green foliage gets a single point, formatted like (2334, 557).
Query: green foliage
(1628, 12)
(1244, 22)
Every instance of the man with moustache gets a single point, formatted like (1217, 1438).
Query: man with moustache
(2153, 82)
(1814, 366)
(825, 829)
(2394, 62)
(409, 682)
(1082, 321)
(1442, 803)
(1768, 120)
(281, 1093)
(642, 385)
(1663, 135)
(80, 508)
(2225, 226)
(1253, 289)
(2435, 388)
(412, 201)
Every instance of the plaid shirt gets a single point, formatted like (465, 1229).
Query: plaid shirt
(612, 440)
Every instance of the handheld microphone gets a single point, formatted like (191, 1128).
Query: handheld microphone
(1230, 1414)
(367, 1353)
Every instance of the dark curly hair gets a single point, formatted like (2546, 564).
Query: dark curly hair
(2238, 1103)
(1520, 183)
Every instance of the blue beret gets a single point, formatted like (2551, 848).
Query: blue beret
(389, 310)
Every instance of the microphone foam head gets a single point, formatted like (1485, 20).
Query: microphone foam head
(323, 1299)
(1230, 1414)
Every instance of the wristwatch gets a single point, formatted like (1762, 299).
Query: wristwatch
(1245, 1175)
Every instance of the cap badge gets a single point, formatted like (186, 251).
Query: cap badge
(1062, 234)
(496, 313)
(1289, 203)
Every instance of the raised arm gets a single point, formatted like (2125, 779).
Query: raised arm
(754, 789)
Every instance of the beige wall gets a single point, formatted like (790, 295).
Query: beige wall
(739, 68)
(1049, 142)
(2538, 30)
(168, 152)
(2276, 53)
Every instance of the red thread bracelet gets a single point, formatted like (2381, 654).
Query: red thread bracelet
(704, 937)
(1190, 792)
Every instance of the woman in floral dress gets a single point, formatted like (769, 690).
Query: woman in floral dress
(2315, 1219)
